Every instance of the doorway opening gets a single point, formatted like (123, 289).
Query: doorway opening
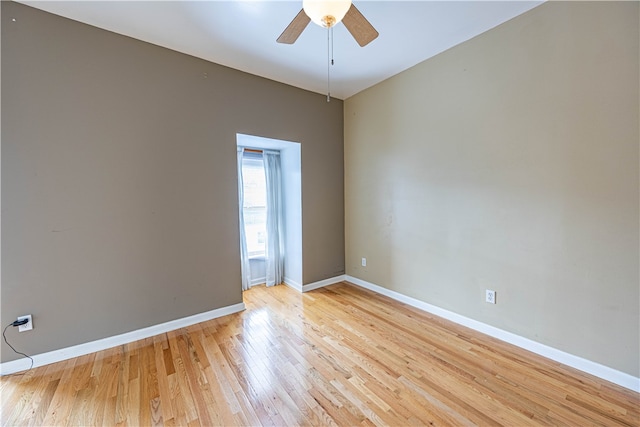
(270, 211)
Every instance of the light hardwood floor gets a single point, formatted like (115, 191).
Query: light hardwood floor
(340, 355)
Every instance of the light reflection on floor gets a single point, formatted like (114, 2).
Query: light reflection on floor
(256, 352)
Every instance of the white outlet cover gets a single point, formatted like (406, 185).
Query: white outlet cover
(364, 262)
(490, 296)
(27, 326)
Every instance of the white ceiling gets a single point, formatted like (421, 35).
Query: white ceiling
(242, 34)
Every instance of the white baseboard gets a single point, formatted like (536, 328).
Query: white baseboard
(292, 284)
(606, 373)
(315, 285)
(105, 343)
(258, 281)
(323, 283)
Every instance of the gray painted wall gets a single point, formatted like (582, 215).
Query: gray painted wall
(510, 162)
(119, 191)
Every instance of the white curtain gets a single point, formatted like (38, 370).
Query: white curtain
(275, 218)
(244, 255)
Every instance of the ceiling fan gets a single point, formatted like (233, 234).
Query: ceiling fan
(328, 13)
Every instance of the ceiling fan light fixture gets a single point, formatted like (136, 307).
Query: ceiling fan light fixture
(326, 13)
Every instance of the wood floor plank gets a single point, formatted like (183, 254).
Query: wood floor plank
(164, 395)
(62, 401)
(336, 356)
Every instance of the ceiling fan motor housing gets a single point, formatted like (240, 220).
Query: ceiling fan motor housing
(326, 13)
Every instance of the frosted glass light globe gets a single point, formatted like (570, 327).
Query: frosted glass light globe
(326, 13)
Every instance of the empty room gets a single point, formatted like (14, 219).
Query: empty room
(320, 213)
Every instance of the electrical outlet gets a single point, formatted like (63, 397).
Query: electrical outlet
(27, 326)
(364, 262)
(490, 296)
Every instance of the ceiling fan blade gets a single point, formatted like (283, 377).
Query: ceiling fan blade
(359, 27)
(295, 28)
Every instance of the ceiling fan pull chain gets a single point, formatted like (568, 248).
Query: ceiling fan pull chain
(331, 29)
(328, 65)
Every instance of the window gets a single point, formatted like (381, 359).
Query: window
(255, 203)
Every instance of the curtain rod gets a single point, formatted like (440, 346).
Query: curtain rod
(259, 151)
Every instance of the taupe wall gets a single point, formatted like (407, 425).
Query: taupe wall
(510, 163)
(119, 179)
